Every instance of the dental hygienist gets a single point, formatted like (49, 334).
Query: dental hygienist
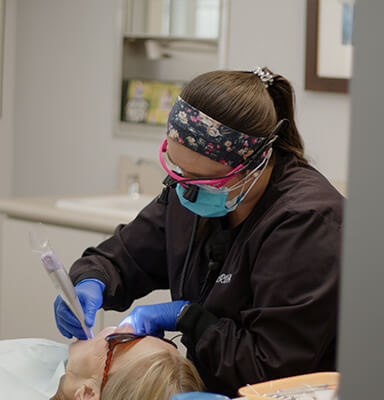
(246, 234)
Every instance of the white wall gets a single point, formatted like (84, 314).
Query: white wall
(67, 57)
(66, 62)
(7, 114)
(272, 33)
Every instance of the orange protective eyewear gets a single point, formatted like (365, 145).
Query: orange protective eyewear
(120, 338)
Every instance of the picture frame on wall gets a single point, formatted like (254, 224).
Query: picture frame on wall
(329, 45)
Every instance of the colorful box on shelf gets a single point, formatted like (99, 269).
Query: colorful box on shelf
(148, 101)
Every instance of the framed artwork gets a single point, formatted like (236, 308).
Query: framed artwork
(2, 29)
(148, 102)
(329, 47)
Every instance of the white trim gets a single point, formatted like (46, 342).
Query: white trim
(223, 35)
(2, 41)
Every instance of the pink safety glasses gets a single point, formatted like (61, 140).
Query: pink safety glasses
(217, 181)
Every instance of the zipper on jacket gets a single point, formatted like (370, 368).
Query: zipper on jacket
(210, 278)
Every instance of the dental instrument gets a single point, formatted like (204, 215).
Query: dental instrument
(58, 275)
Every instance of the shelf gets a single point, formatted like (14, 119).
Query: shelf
(182, 57)
(145, 36)
(141, 131)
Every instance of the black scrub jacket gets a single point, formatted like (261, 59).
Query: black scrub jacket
(271, 309)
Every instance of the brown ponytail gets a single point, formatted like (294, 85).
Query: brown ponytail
(283, 97)
(240, 100)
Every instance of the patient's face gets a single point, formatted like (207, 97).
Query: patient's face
(87, 357)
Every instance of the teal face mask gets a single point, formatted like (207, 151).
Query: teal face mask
(209, 204)
(213, 202)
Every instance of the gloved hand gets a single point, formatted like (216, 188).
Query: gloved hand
(90, 293)
(154, 319)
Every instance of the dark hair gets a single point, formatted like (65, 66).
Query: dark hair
(240, 100)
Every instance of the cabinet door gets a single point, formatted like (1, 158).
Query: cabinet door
(26, 291)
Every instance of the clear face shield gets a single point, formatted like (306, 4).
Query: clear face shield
(208, 196)
(175, 172)
(188, 189)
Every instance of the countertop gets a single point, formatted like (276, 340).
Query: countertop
(43, 209)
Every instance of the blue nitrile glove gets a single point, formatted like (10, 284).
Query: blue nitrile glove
(154, 319)
(90, 293)
(198, 396)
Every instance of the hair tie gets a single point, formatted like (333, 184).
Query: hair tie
(265, 76)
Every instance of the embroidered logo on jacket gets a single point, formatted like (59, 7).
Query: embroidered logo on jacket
(224, 278)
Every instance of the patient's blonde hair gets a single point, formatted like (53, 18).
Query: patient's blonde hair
(153, 376)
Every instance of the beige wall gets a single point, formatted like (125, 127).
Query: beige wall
(7, 114)
(67, 58)
(64, 92)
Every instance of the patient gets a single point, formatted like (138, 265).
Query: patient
(144, 368)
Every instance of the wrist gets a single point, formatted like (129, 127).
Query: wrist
(194, 320)
(100, 284)
(182, 311)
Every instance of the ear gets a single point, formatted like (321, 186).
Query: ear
(85, 392)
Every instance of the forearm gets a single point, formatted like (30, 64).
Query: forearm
(193, 320)
(229, 354)
(117, 295)
(131, 263)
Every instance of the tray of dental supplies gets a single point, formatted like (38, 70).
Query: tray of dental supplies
(316, 386)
